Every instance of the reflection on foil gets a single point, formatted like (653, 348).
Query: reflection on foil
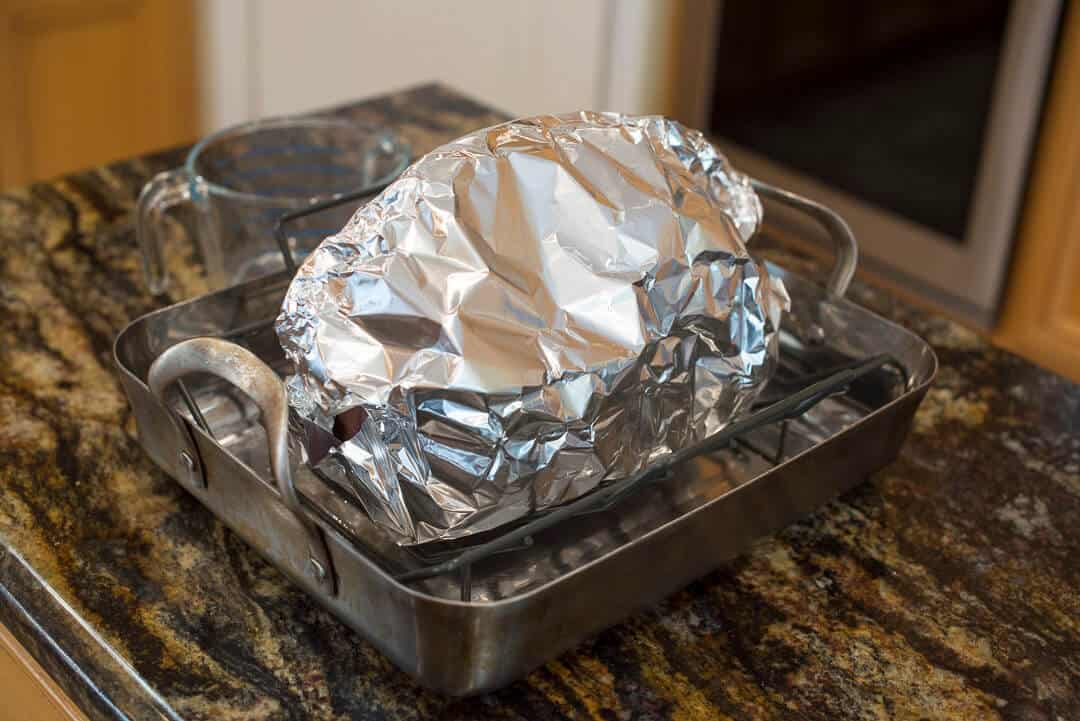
(527, 312)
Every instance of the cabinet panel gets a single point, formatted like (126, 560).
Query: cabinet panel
(88, 82)
(29, 693)
(1041, 313)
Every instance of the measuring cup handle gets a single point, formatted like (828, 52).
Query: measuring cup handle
(246, 371)
(164, 192)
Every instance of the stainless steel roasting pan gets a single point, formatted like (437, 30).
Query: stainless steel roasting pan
(467, 619)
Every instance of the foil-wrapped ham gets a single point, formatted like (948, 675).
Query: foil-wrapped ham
(530, 311)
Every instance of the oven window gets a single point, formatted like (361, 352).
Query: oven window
(886, 101)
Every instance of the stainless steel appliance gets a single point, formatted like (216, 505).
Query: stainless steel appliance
(914, 120)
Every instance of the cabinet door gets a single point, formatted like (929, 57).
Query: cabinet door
(84, 82)
(1041, 312)
(29, 693)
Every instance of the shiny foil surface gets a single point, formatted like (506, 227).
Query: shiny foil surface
(528, 312)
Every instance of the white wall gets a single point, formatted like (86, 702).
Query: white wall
(273, 57)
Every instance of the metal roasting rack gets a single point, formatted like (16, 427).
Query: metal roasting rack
(448, 558)
(473, 614)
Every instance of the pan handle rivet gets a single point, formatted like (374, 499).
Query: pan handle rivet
(188, 462)
(316, 569)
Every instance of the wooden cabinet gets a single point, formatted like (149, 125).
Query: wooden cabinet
(84, 82)
(29, 693)
(1041, 311)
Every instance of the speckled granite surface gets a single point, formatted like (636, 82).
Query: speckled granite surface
(948, 586)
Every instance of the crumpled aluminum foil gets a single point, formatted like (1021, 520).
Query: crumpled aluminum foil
(527, 312)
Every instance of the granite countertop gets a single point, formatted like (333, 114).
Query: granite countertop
(947, 586)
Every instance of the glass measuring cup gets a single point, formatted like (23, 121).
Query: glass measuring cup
(239, 181)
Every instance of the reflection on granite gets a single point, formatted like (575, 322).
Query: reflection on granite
(945, 587)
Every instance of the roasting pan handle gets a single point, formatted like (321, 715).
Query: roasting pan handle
(246, 371)
(846, 247)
